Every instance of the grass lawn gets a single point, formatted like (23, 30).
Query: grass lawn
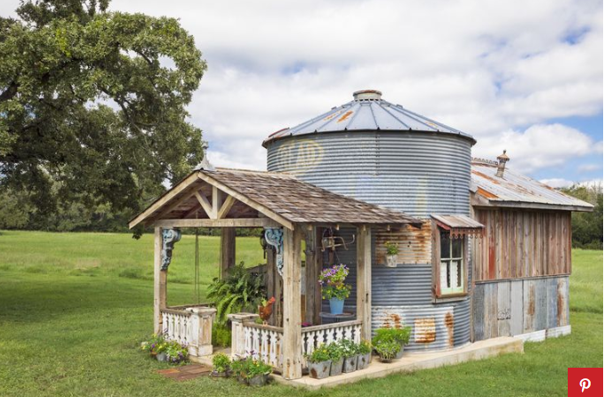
(74, 307)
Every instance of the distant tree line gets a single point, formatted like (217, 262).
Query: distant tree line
(587, 227)
(15, 213)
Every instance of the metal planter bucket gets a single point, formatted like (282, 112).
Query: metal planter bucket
(364, 361)
(391, 260)
(162, 357)
(320, 370)
(350, 364)
(337, 367)
(258, 380)
(400, 353)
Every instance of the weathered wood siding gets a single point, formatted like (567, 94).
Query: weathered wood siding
(521, 243)
(514, 307)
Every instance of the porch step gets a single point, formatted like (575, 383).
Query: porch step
(412, 362)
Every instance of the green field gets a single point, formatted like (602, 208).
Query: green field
(74, 307)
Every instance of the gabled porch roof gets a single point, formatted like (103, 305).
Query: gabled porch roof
(247, 198)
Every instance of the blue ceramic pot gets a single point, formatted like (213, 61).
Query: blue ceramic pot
(337, 305)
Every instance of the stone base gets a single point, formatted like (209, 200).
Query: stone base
(411, 362)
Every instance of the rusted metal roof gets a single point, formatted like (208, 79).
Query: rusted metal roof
(516, 190)
(368, 111)
(301, 202)
(457, 221)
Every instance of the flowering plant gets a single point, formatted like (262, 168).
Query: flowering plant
(332, 282)
(319, 355)
(156, 344)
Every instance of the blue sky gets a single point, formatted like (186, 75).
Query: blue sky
(522, 75)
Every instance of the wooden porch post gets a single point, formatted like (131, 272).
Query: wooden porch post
(227, 251)
(292, 304)
(160, 281)
(363, 280)
(313, 260)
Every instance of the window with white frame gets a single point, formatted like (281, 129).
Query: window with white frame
(452, 273)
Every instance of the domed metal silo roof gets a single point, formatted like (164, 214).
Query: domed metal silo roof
(367, 112)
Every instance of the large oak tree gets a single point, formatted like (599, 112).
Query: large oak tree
(92, 104)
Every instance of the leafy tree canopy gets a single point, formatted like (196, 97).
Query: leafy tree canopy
(92, 104)
(587, 227)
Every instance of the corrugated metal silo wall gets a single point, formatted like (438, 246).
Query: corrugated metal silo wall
(417, 173)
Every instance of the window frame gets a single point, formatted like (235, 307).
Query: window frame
(437, 260)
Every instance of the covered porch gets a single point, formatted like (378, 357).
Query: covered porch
(298, 220)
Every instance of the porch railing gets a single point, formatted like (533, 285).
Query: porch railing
(266, 341)
(191, 326)
(314, 336)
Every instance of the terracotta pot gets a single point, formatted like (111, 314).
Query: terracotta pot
(350, 364)
(320, 370)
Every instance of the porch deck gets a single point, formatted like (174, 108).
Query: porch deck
(412, 362)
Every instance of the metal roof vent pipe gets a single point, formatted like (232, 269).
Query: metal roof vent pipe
(367, 95)
(501, 164)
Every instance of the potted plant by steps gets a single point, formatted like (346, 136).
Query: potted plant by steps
(337, 359)
(350, 354)
(257, 372)
(319, 362)
(334, 289)
(221, 365)
(399, 336)
(391, 254)
(364, 355)
(156, 346)
(176, 353)
(387, 350)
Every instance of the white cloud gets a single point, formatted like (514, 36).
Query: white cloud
(537, 147)
(487, 68)
(589, 167)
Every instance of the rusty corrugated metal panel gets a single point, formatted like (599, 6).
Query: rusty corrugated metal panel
(366, 113)
(516, 188)
(414, 244)
(520, 306)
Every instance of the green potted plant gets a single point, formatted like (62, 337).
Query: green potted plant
(334, 289)
(364, 355)
(400, 336)
(257, 372)
(337, 359)
(221, 365)
(387, 350)
(350, 354)
(319, 362)
(391, 254)
(156, 346)
(176, 353)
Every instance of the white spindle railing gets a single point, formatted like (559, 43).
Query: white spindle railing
(313, 337)
(265, 342)
(191, 327)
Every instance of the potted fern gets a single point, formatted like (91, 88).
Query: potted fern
(391, 254)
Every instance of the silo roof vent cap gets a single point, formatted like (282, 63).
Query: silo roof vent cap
(367, 95)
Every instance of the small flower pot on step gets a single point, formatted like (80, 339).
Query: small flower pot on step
(350, 364)
(386, 359)
(363, 361)
(220, 374)
(337, 367)
(320, 370)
